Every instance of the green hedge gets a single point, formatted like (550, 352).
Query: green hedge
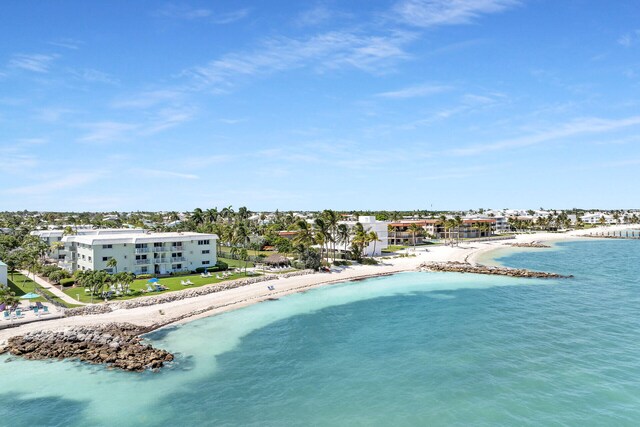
(67, 282)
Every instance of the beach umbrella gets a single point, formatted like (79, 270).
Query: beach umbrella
(30, 295)
(153, 280)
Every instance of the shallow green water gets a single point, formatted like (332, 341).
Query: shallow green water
(409, 349)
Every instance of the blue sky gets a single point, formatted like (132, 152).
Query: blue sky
(397, 104)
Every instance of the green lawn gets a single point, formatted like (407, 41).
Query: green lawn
(173, 283)
(21, 285)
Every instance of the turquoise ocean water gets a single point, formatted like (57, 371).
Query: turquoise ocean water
(410, 349)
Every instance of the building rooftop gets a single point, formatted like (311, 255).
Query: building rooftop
(118, 238)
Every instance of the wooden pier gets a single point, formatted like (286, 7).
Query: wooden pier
(623, 234)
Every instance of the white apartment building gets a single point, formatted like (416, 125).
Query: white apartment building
(3, 274)
(52, 236)
(595, 218)
(140, 252)
(371, 224)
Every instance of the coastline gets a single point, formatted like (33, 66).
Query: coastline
(190, 309)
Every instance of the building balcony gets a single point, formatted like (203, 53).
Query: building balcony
(178, 259)
(143, 261)
(160, 249)
(176, 247)
(142, 250)
(160, 260)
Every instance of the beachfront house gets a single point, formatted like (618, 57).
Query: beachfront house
(3, 274)
(139, 252)
(369, 223)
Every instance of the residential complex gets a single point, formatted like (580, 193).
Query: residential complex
(136, 251)
(400, 231)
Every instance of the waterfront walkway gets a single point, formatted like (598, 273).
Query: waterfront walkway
(49, 287)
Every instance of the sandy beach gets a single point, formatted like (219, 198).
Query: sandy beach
(194, 308)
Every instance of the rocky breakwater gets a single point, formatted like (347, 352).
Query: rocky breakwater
(463, 267)
(117, 345)
(528, 245)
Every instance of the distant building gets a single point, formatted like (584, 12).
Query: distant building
(139, 252)
(596, 218)
(470, 228)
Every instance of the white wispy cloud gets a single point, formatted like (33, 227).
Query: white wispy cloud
(94, 76)
(314, 16)
(148, 98)
(67, 43)
(575, 128)
(54, 185)
(415, 91)
(107, 131)
(230, 17)
(331, 50)
(163, 173)
(629, 39)
(39, 63)
(430, 13)
(468, 103)
(166, 119)
(183, 11)
(201, 162)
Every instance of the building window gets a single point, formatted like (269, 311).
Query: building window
(157, 245)
(144, 269)
(203, 242)
(177, 266)
(107, 246)
(89, 258)
(205, 262)
(206, 251)
(105, 258)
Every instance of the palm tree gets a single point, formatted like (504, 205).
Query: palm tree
(113, 263)
(197, 217)
(458, 222)
(322, 235)
(331, 220)
(391, 229)
(56, 246)
(343, 235)
(304, 237)
(415, 229)
(373, 237)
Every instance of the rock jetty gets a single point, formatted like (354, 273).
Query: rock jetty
(117, 345)
(464, 267)
(528, 245)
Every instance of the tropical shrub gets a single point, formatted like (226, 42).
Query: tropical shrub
(369, 261)
(67, 282)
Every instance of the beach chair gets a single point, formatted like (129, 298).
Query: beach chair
(6, 315)
(18, 312)
(150, 289)
(189, 282)
(203, 275)
(3, 307)
(39, 305)
(183, 283)
(45, 309)
(87, 290)
(36, 311)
